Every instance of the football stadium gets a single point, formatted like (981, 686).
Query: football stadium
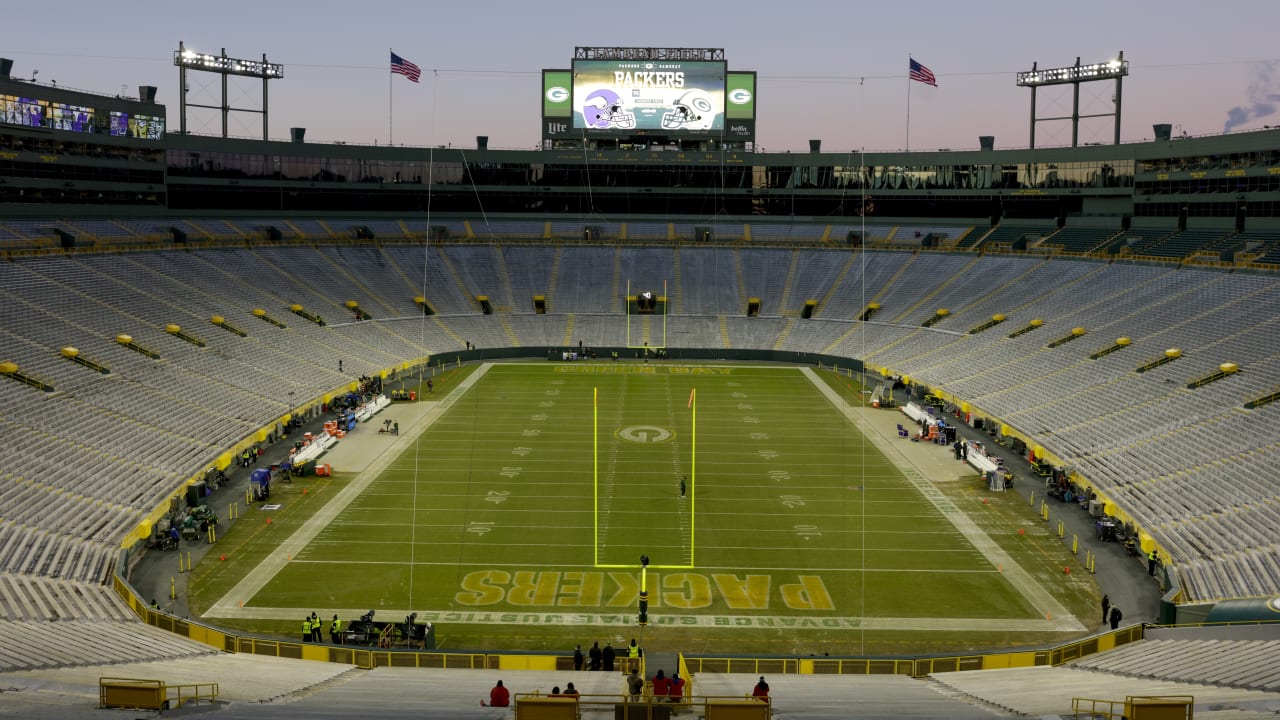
(300, 429)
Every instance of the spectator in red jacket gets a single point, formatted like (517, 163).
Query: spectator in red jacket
(761, 689)
(676, 691)
(661, 685)
(499, 696)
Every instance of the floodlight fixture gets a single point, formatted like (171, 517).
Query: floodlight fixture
(1075, 73)
(187, 59)
(1115, 69)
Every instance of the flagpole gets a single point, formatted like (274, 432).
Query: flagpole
(391, 91)
(908, 147)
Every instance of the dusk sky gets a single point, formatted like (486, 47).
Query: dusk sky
(830, 70)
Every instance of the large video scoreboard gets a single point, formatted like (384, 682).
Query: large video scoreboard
(630, 93)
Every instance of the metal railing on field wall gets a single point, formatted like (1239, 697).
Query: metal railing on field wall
(689, 665)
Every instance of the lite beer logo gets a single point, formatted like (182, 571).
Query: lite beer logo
(677, 590)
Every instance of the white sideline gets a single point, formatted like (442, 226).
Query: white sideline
(257, 578)
(1044, 603)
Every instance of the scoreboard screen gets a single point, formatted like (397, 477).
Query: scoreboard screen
(651, 95)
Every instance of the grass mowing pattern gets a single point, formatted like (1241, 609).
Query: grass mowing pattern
(807, 538)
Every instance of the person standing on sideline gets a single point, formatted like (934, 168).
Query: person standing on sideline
(1152, 561)
(608, 657)
(1116, 616)
(683, 480)
(499, 696)
(595, 655)
(306, 629)
(316, 625)
(1106, 605)
(335, 631)
(577, 658)
(761, 690)
(633, 650)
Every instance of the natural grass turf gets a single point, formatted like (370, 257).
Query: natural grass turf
(493, 513)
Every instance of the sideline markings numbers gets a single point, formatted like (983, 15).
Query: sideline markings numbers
(522, 451)
(480, 527)
(779, 475)
(497, 497)
(791, 501)
(510, 472)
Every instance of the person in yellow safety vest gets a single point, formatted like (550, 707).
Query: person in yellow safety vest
(1152, 560)
(306, 629)
(335, 631)
(633, 650)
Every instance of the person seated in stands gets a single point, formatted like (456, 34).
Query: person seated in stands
(571, 691)
(499, 696)
(761, 690)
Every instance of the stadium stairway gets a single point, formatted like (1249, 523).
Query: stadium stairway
(568, 330)
(504, 279)
(782, 336)
(457, 280)
(615, 302)
(509, 331)
(741, 277)
(831, 291)
(789, 283)
(554, 278)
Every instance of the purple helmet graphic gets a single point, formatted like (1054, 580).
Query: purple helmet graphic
(603, 109)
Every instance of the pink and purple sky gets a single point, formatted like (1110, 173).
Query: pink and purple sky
(830, 70)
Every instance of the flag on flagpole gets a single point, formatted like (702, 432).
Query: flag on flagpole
(920, 73)
(400, 66)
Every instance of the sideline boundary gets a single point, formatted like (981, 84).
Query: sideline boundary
(1060, 618)
(257, 578)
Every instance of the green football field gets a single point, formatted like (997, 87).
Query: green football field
(518, 518)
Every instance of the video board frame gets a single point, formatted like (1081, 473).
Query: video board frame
(627, 93)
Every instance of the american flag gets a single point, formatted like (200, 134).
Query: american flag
(920, 73)
(400, 66)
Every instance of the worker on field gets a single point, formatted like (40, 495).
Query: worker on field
(306, 629)
(1152, 561)
(316, 626)
(577, 658)
(633, 650)
(335, 631)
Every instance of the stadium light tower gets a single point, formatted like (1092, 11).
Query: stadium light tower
(1074, 75)
(187, 59)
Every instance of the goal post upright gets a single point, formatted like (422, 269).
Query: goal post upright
(595, 475)
(693, 475)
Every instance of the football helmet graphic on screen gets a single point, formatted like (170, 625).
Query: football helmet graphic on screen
(694, 110)
(603, 109)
